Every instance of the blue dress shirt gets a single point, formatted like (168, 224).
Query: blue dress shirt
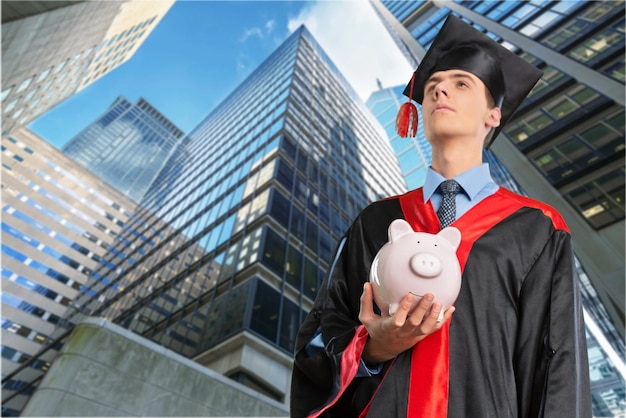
(476, 183)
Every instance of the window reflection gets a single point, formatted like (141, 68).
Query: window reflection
(608, 40)
(601, 201)
(265, 310)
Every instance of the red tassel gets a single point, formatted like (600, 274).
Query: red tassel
(407, 116)
(406, 120)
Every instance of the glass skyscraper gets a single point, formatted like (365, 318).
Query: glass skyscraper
(413, 154)
(228, 250)
(587, 32)
(127, 146)
(51, 50)
(58, 221)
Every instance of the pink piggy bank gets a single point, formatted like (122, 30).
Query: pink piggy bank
(418, 263)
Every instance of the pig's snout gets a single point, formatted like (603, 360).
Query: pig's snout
(425, 265)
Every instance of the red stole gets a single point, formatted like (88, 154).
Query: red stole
(428, 387)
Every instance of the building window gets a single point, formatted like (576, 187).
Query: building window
(550, 77)
(24, 84)
(6, 92)
(561, 107)
(541, 22)
(43, 75)
(608, 39)
(18, 113)
(525, 128)
(279, 208)
(60, 66)
(11, 105)
(293, 268)
(519, 15)
(265, 310)
(616, 71)
(273, 255)
(289, 324)
(601, 201)
(46, 86)
(76, 57)
(606, 136)
(312, 277)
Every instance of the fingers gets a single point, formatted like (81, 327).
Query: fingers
(366, 310)
(428, 316)
(421, 310)
(404, 309)
(435, 319)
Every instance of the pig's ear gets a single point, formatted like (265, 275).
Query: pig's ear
(452, 235)
(397, 228)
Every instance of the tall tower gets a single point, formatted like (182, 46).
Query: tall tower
(58, 221)
(51, 50)
(229, 248)
(564, 142)
(413, 154)
(127, 146)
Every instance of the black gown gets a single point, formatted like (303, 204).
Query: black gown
(516, 341)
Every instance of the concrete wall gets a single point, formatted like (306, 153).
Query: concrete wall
(106, 370)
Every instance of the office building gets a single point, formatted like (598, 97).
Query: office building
(58, 221)
(51, 50)
(565, 144)
(227, 252)
(413, 154)
(126, 147)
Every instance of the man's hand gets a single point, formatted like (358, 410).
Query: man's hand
(390, 336)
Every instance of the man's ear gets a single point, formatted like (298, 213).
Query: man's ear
(493, 117)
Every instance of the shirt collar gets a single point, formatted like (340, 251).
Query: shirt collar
(472, 181)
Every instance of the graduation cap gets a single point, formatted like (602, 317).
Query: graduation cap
(459, 46)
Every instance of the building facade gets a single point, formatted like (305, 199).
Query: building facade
(565, 144)
(225, 255)
(413, 154)
(58, 221)
(127, 146)
(51, 50)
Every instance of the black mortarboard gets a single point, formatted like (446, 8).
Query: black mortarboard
(459, 46)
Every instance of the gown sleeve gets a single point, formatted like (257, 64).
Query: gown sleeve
(315, 379)
(551, 365)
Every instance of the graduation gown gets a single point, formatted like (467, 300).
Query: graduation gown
(515, 343)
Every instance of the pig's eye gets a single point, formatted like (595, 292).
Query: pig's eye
(435, 245)
(418, 242)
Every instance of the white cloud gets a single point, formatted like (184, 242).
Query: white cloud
(357, 42)
(251, 32)
(268, 28)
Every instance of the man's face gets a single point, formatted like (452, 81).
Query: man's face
(455, 106)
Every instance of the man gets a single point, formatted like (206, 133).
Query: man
(515, 346)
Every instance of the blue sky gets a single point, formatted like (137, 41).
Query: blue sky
(201, 51)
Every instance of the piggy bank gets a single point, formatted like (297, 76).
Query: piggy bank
(418, 263)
